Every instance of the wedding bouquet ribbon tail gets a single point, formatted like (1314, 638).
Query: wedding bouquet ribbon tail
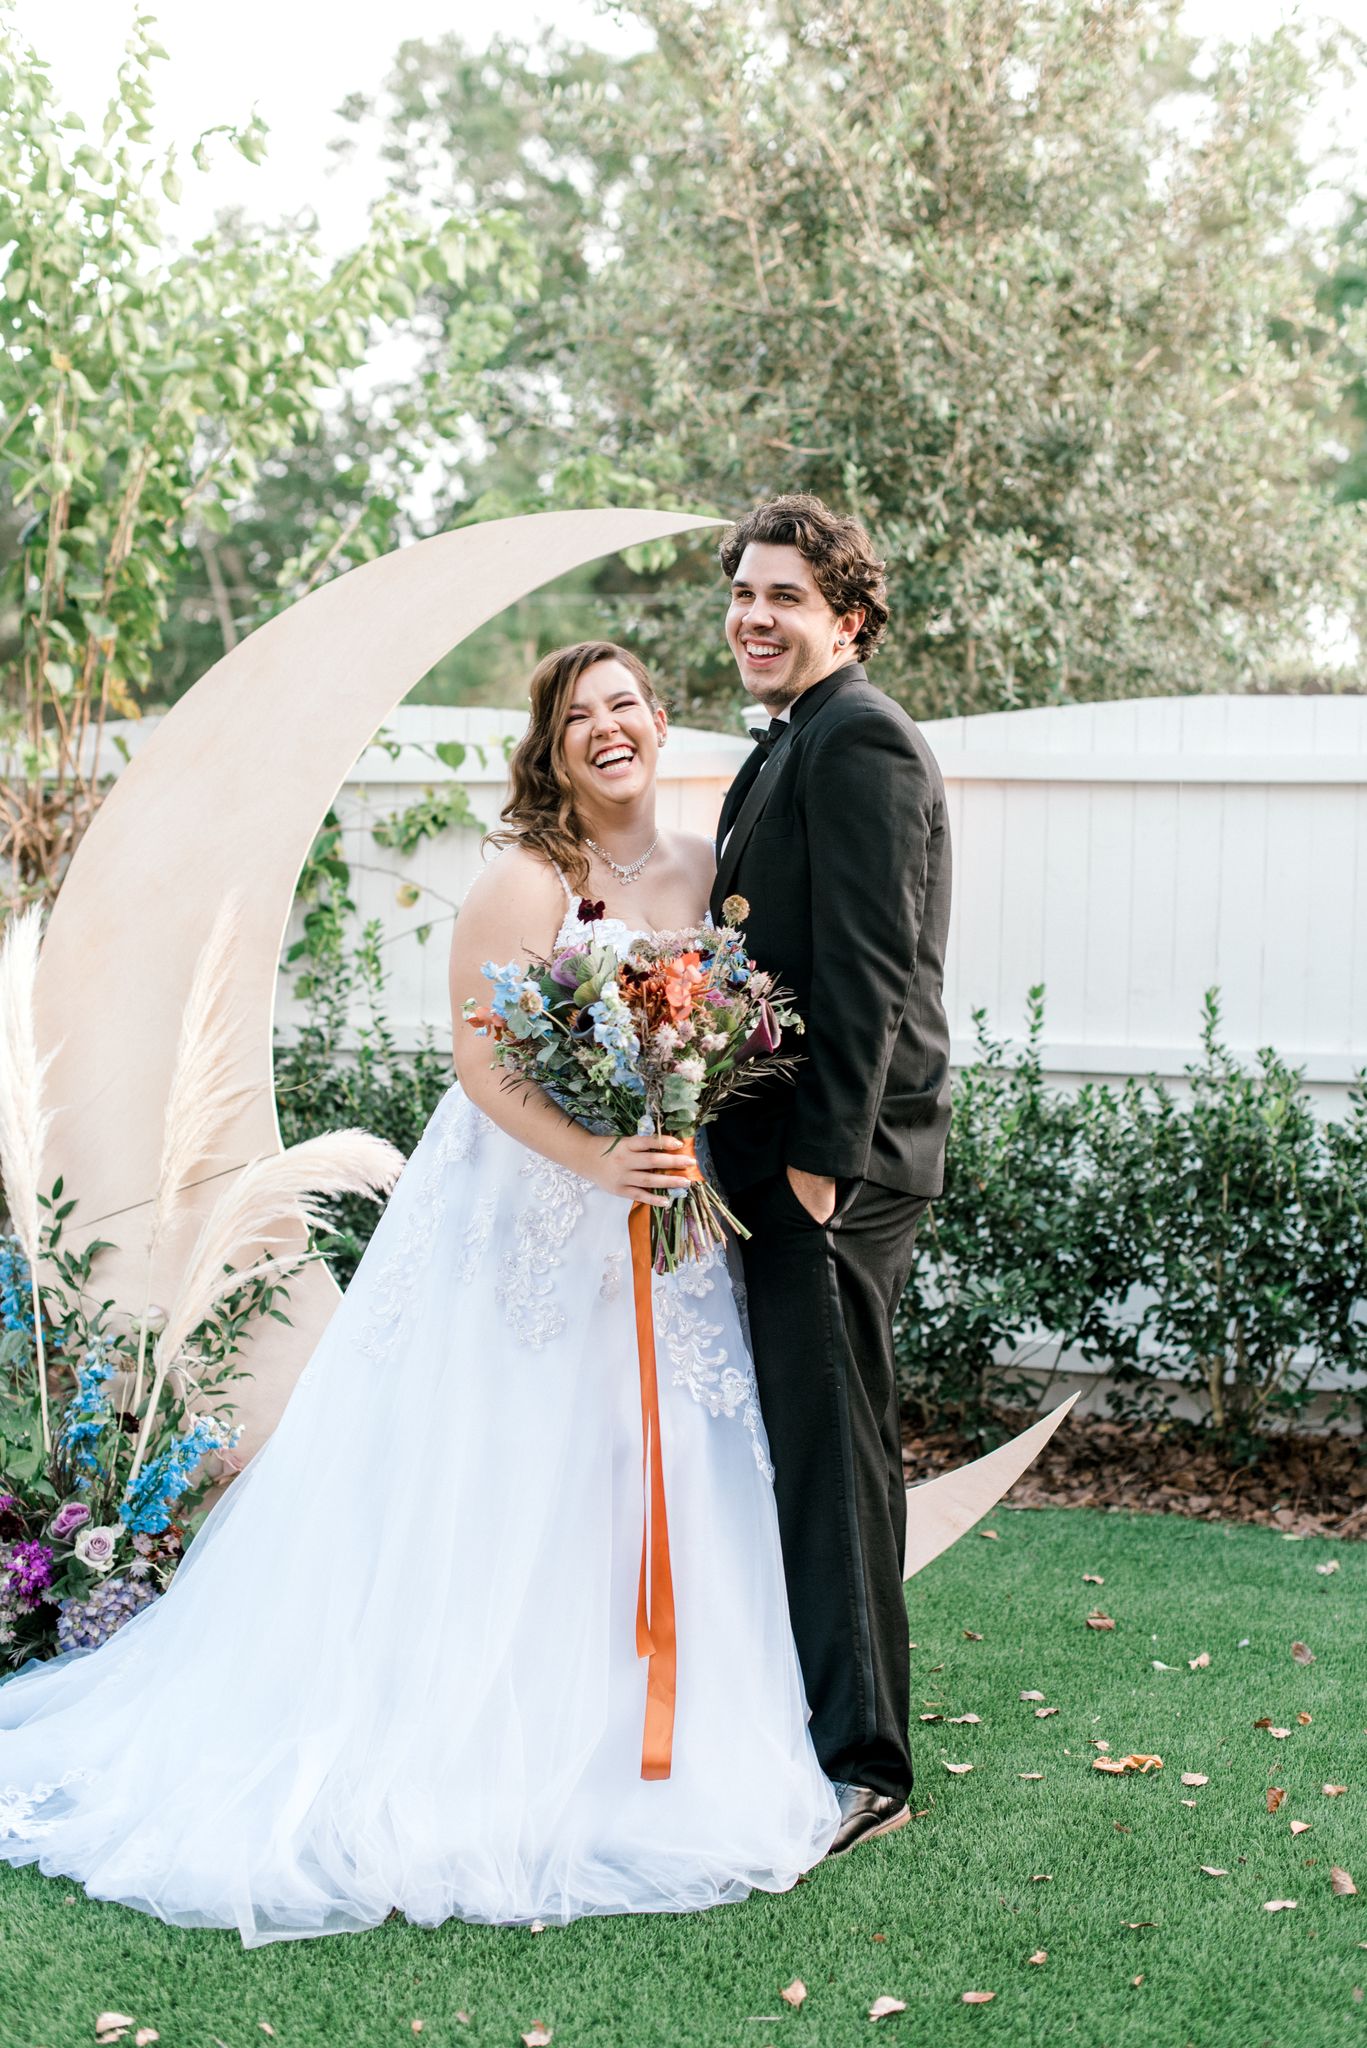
(655, 1626)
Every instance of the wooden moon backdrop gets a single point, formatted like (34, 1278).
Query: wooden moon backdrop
(229, 793)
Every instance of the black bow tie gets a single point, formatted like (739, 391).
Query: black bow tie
(765, 735)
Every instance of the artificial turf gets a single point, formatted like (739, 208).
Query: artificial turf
(955, 1902)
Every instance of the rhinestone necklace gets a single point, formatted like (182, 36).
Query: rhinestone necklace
(632, 869)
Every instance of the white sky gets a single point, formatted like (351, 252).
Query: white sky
(296, 62)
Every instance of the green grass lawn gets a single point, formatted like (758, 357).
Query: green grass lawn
(948, 1905)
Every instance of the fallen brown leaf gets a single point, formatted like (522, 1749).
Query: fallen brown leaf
(1340, 1882)
(1032, 1695)
(538, 2036)
(1029, 1774)
(1201, 1663)
(1300, 1827)
(1142, 1764)
(1121, 1828)
(1109, 1763)
(1043, 1713)
(1301, 1654)
(1043, 1877)
(1195, 1778)
(971, 1636)
(145, 2036)
(1303, 1720)
(1333, 1791)
(1041, 1955)
(878, 1937)
(1213, 1870)
(107, 2021)
(989, 1535)
(1275, 1796)
(1279, 1906)
(882, 2008)
(958, 1770)
(1265, 1722)
(1099, 1744)
(932, 1717)
(1135, 1982)
(1092, 1579)
(964, 1720)
(1325, 1569)
(1279, 1734)
(794, 1993)
(1141, 1923)
(1188, 1802)
(1098, 1619)
(979, 1997)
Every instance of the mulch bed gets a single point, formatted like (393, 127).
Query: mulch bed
(1303, 1485)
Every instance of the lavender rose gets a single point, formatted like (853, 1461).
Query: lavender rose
(95, 1547)
(70, 1516)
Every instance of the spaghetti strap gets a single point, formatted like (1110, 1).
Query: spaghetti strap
(570, 896)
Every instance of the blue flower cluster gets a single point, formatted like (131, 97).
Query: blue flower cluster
(16, 1298)
(85, 1624)
(614, 1029)
(88, 1413)
(146, 1505)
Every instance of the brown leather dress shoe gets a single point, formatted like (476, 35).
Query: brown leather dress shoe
(864, 1814)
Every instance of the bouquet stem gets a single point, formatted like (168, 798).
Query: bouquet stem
(695, 1223)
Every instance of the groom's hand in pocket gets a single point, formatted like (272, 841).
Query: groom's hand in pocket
(815, 1192)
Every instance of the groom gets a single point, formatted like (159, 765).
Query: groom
(835, 834)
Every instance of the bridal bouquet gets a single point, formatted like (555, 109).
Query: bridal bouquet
(653, 1037)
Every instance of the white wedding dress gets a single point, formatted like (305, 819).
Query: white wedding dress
(398, 1667)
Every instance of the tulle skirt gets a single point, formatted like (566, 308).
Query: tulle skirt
(397, 1667)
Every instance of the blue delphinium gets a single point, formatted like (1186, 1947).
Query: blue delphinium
(16, 1297)
(614, 1030)
(146, 1506)
(88, 1413)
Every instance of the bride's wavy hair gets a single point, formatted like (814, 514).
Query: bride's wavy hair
(540, 810)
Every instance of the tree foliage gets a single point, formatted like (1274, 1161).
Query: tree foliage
(1019, 282)
(142, 394)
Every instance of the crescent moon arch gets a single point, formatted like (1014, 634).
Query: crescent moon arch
(940, 1511)
(229, 793)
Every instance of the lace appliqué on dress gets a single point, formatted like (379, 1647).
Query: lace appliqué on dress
(525, 1290)
(700, 1363)
(478, 1231)
(19, 1808)
(610, 1286)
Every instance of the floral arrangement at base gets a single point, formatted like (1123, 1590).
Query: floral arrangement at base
(650, 1038)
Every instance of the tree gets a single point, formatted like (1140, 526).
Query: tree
(1001, 278)
(143, 393)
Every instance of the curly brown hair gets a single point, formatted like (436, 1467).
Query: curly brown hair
(540, 811)
(848, 572)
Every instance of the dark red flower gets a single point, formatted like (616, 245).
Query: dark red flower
(589, 911)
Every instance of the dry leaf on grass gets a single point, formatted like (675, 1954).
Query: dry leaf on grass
(1303, 1720)
(1032, 1695)
(971, 1636)
(964, 1720)
(1201, 1663)
(1325, 1569)
(1098, 1743)
(1279, 1906)
(1301, 1654)
(106, 2022)
(1333, 1791)
(1159, 1665)
(1141, 1923)
(145, 2036)
(794, 1993)
(1195, 1778)
(1342, 1884)
(1041, 1955)
(1099, 1619)
(1043, 1713)
(1279, 1734)
(1275, 1796)
(989, 1535)
(538, 2036)
(1213, 1870)
(1092, 1579)
(932, 1717)
(1117, 1764)
(1188, 1802)
(1029, 1774)
(958, 1770)
(1300, 1827)
(464, 2018)
(1043, 1877)
(1135, 1982)
(978, 1997)
(883, 2008)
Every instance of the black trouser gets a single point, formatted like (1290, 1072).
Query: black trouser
(821, 1301)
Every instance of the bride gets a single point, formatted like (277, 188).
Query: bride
(398, 1668)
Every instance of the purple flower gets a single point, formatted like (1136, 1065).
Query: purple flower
(29, 1566)
(589, 912)
(68, 1519)
(765, 1036)
(564, 968)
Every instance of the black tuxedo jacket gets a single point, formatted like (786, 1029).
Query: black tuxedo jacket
(837, 837)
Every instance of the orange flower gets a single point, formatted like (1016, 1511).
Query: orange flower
(682, 977)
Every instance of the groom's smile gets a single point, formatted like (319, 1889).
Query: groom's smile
(782, 631)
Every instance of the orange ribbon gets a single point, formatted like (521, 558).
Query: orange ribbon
(655, 1631)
